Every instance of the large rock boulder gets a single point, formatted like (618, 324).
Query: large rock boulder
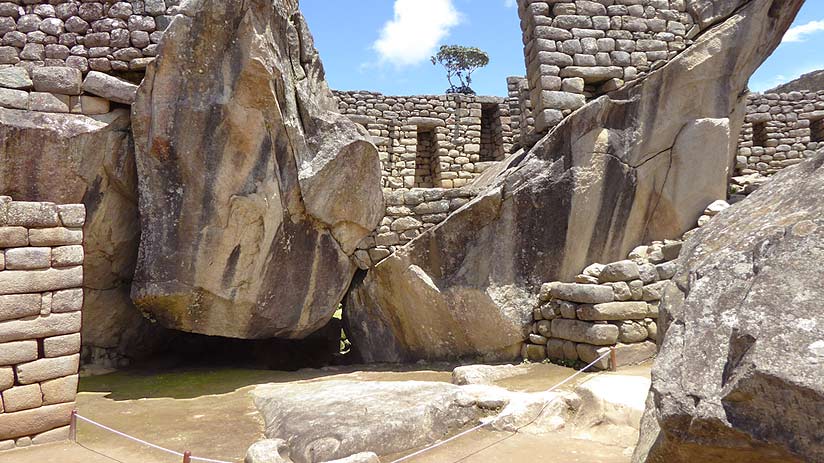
(633, 166)
(328, 420)
(71, 158)
(254, 192)
(740, 373)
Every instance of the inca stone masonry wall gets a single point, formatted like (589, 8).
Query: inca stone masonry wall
(780, 130)
(41, 296)
(435, 141)
(62, 55)
(408, 214)
(578, 49)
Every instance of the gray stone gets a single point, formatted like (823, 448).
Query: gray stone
(54, 79)
(586, 332)
(15, 99)
(585, 294)
(298, 189)
(39, 327)
(12, 353)
(625, 270)
(614, 311)
(110, 87)
(28, 258)
(742, 329)
(19, 306)
(333, 419)
(46, 369)
(268, 451)
(48, 102)
(14, 77)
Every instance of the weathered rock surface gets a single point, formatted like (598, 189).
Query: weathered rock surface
(633, 166)
(329, 420)
(740, 373)
(69, 158)
(253, 192)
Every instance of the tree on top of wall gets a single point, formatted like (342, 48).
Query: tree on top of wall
(460, 62)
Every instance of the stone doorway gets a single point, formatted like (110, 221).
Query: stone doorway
(425, 158)
(492, 137)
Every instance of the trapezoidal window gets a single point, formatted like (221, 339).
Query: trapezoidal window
(759, 134)
(425, 158)
(817, 131)
(492, 137)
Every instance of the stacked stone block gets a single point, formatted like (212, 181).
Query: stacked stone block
(576, 50)
(780, 130)
(41, 296)
(408, 214)
(608, 306)
(394, 122)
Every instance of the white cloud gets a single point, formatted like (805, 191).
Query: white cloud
(510, 3)
(418, 27)
(799, 33)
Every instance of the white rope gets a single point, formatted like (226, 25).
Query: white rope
(434, 446)
(143, 442)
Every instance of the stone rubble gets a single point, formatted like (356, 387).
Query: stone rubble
(41, 297)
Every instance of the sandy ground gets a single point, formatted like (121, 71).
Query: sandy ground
(210, 412)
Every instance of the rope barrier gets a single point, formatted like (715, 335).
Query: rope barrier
(482, 425)
(185, 455)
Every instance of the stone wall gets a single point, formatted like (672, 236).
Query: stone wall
(780, 130)
(41, 296)
(63, 56)
(613, 305)
(440, 141)
(578, 49)
(408, 214)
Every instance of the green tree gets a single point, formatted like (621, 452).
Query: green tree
(460, 62)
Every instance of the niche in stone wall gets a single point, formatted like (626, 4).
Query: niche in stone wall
(817, 131)
(759, 134)
(492, 135)
(425, 159)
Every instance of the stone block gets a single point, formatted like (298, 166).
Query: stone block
(12, 353)
(57, 236)
(72, 215)
(46, 369)
(633, 354)
(49, 102)
(67, 256)
(614, 311)
(57, 79)
(555, 349)
(534, 352)
(92, 105)
(22, 398)
(15, 77)
(34, 421)
(574, 292)
(60, 390)
(69, 300)
(588, 353)
(110, 87)
(6, 378)
(655, 291)
(29, 258)
(14, 99)
(40, 327)
(55, 435)
(59, 346)
(31, 215)
(562, 100)
(631, 332)
(19, 306)
(625, 270)
(11, 237)
(38, 281)
(586, 332)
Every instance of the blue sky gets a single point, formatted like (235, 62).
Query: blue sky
(385, 45)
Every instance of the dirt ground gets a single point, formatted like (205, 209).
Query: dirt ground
(210, 412)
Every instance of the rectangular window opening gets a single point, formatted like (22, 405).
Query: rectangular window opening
(492, 137)
(817, 131)
(759, 134)
(425, 158)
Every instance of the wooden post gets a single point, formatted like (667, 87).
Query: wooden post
(73, 426)
(187, 457)
(613, 359)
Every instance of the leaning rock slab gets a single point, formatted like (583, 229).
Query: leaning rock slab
(740, 372)
(254, 193)
(637, 165)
